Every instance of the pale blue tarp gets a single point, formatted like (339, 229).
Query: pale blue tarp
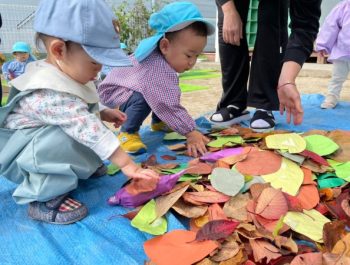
(100, 238)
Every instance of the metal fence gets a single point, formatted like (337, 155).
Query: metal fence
(18, 15)
(17, 25)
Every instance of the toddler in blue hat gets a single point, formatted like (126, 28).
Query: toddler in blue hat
(152, 84)
(50, 133)
(22, 53)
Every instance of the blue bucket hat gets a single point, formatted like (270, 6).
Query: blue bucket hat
(172, 17)
(90, 23)
(21, 46)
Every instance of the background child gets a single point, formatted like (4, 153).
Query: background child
(152, 84)
(334, 39)
(22, 54)
(50, 135)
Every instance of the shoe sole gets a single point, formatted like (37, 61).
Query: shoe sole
(239, 119)
(61, 223)
(138, 152)
(263, 130)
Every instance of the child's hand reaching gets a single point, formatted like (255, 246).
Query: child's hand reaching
(114, 116)
(129, 168)
(196, 143)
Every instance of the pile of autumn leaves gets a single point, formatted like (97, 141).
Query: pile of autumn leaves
(278, 198)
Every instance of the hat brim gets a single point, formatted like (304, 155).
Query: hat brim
(147, 46)
(110, 57)
(184, 24)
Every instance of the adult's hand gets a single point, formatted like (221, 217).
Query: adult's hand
(232, 29)
(288, 94)
(290, 103)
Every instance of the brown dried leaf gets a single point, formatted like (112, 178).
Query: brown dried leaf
(227, 250)
(286, 243)
(342, 138)
(165, 202)
(206, 261)
(189, 210)
(198, 198)
(238, 259)
(222, 164)
(332, 233)
(236, 207)
(229, 131)
(342, 247)
(231, 160)
(263, 249)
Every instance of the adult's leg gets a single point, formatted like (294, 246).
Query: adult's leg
(234, 62)
(271, 41)
(137, 110)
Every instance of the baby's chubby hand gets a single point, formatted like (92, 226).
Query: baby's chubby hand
(114, 116)
(196, 143)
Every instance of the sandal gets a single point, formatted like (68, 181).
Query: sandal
(229, 116)
(262, 121)
(60, 210)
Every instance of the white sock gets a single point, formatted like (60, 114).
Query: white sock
(260, 123)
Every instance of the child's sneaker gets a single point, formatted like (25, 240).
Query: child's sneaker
(131, 143)
(61, 210)
(160, 127)
(330, 102)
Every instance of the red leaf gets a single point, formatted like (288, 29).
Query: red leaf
(168, 157)
(216, 229)
(314, 157)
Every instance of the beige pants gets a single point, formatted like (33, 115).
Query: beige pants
(341, 69)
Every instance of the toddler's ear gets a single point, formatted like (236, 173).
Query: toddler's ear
(164, 45)
(57, 48)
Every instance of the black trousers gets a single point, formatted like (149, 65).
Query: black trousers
(270, 44)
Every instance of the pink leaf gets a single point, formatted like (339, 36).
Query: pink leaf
(271, 204)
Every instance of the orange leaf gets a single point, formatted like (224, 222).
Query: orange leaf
(308, 196)
(259, 163)
(178, 247)
(199, 198)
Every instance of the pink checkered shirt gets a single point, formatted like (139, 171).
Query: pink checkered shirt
(157, 81)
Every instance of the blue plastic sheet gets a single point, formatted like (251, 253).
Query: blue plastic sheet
(104, 237)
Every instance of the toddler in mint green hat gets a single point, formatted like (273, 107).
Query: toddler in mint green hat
(51, 128)
(152, 84)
